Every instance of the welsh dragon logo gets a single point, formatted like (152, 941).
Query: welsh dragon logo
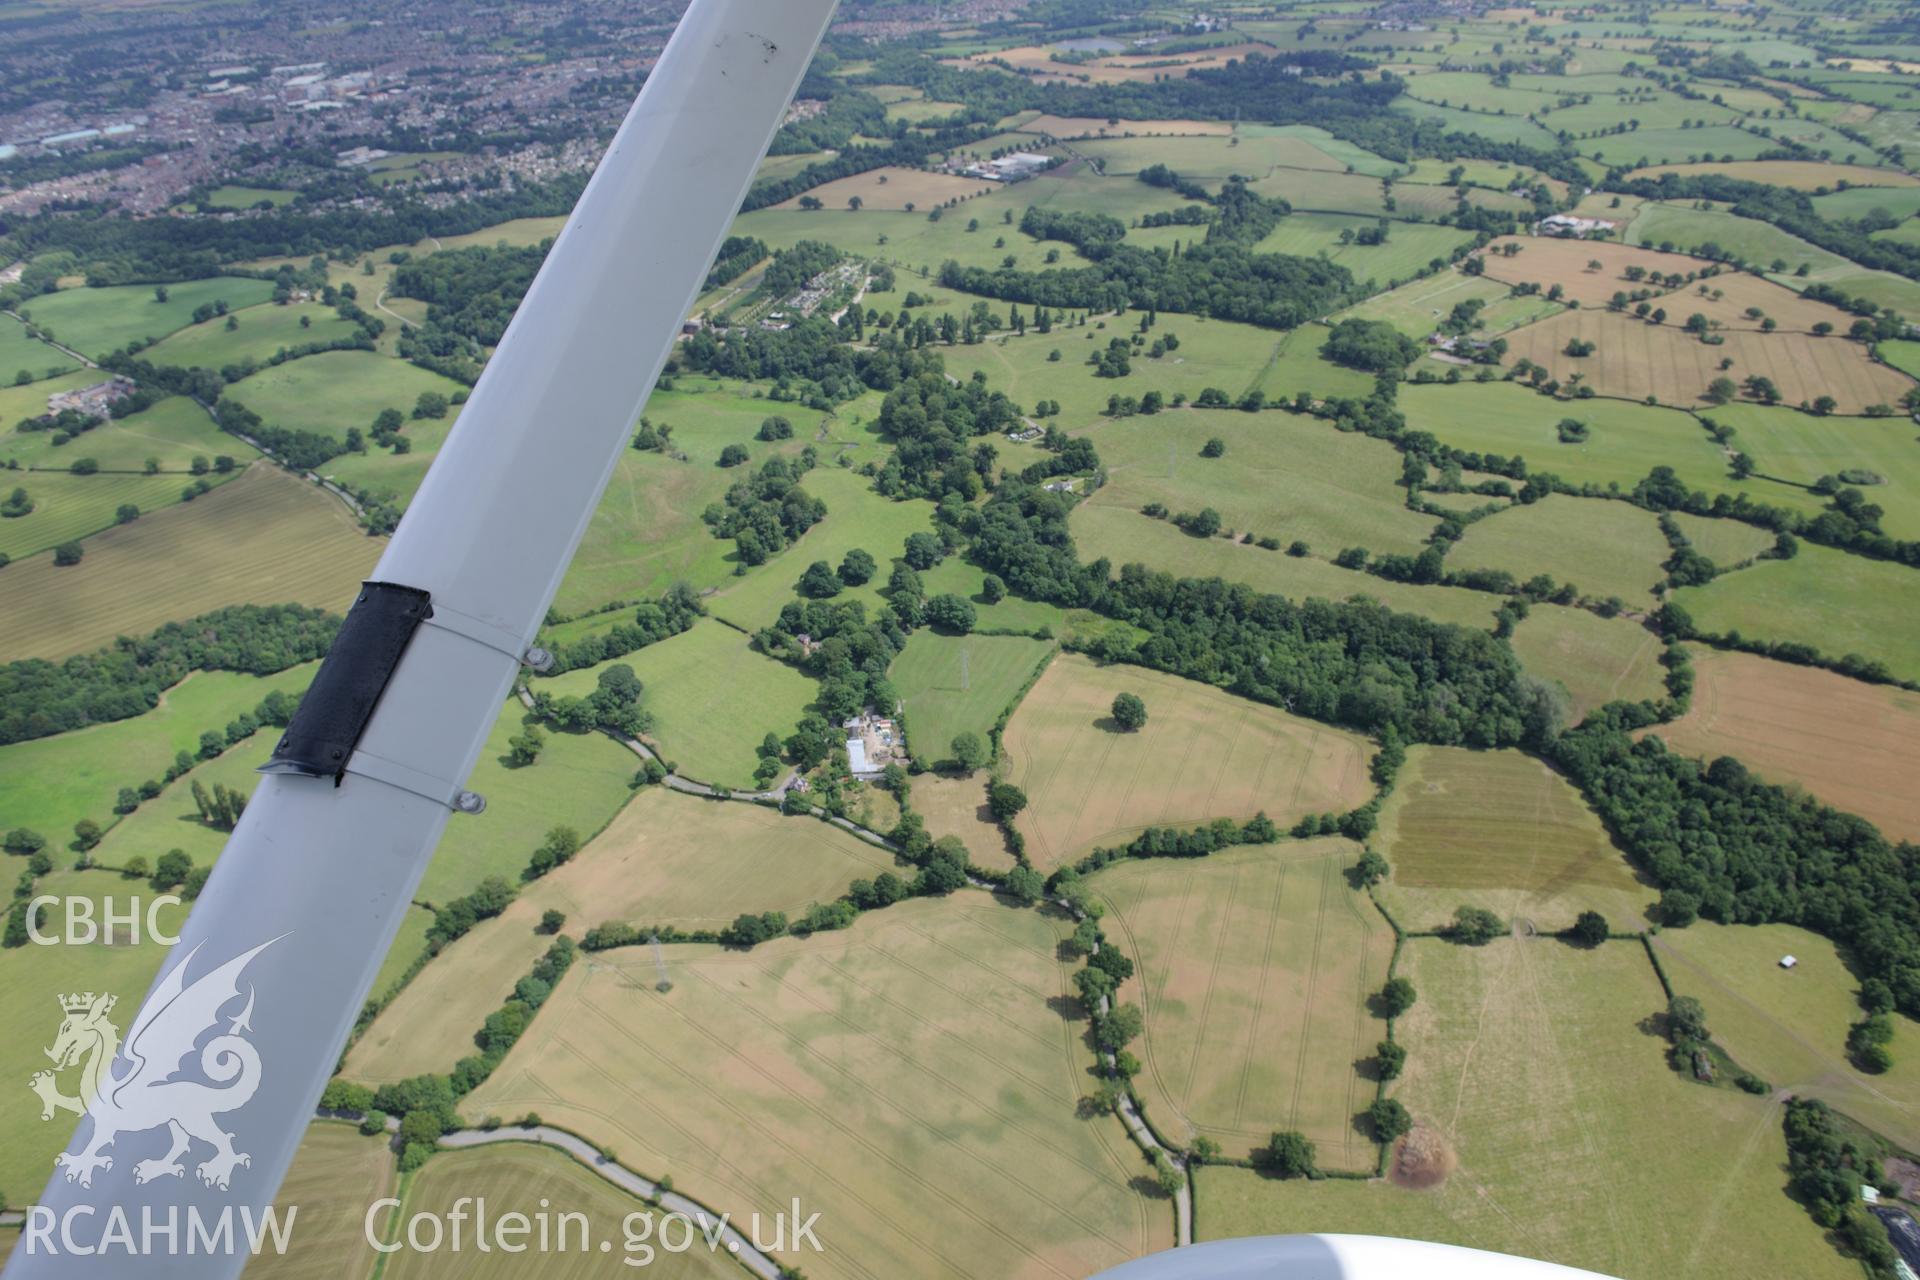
(146, 1093)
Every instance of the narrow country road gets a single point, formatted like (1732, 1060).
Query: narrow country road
(627, 1180)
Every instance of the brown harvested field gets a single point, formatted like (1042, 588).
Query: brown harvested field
(665, 859)
(1551, 260)
(266, 538)
(1099, 127)
(1498, 829)
(1253, 970)
(954, 805)
(1800, 175)
(894, 187)
(912, 1078)
(1037, 60)
(1203, 754)
(1633, 360)
(1854, 745)
(429, 1026)
(336, 1176)
(669, 858)
(1737, 291)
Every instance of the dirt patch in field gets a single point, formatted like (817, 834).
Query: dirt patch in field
(1421, 1160)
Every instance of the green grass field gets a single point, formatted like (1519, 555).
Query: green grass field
(1498, 128)
(67, 508)
(1417, 308)
(49, 784)
(1254, 968)
(1282, 476)
(712, 699)
(1125, 536)
(1574, 1141)
(1212, 353)
(1410, 246)
(1625, 440)
(1604, 547)
(856, 517)
(1503, 831)
(96, 322)
(19, 352)
(1673, 146)
(1596, 660)
(1203, 754)
(580, 780)
(263, 331)
(955, 684)
(1789, 1026)
(335, 390)
(1298, 366)
(1725, 542)
(32, 980)
(265, 536)
(1836, 602)
(906, 1077)
(962, 578)
(171, 820)
(647, 534)
(1791, 450)
(241, 197)
(172, 433)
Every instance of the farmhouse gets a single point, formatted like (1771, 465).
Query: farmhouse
(1010, 168)
(94, 400)
(1572, 228)
(873, 743)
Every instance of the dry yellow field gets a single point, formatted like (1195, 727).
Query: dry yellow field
(1800, 175)
(1500, 830)
(1203, 755)
(336, 1175)
(1736, 292)
(266, 538)
(1854, 745)
(894, 187)
(521, 1177)
(1254, 968)
(1037, 60)
(1571, 1139)
(681, 860)
(1551, 260)
(1099, 127)
(955, 805)
(1633, 359)
(429, 1026)
(665, 859)
(913, 1079)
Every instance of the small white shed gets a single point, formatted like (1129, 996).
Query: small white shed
(1787, 962)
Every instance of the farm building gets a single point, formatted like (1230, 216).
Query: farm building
(1010, 168)
(94, 400)
(1572, 228)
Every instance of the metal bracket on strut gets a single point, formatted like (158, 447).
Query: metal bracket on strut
(498, 639)
(425, 785)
